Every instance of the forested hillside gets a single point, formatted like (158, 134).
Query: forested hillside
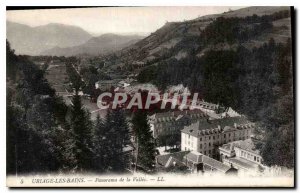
(241, 62)
(251, 26)
(44, 135)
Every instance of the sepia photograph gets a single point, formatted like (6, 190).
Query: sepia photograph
(150, 96)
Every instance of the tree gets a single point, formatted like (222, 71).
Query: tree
(32, 122)
(122, 138)
(145, 142)
(99, 145)
(82, 128)
(115, 137)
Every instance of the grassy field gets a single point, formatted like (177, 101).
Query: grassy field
(57, 76)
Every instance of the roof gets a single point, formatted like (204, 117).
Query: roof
(208, 105)
(107, 81)
(247, 145)
(173, 160)
(168, 159)
(215, 164)
(128, 148)
(176, 115)
(243, 163)
(206, 126)
(197, 157)
(194, 156)
(227, 147)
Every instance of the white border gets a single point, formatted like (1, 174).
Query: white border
(5, 3)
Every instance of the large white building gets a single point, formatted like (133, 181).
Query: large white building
(205, 136)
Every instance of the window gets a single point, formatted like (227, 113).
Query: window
(200, 146)
(229, 134)
(200, 138)
(213, 137)
(254, 158)
(204, 152)
(209, 137)
(224, 135)
(208, 144)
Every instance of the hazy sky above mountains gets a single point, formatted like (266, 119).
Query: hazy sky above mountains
(121, 20)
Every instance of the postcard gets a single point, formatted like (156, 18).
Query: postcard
(150, 97)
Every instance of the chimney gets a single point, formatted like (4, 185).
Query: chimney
(208, 120)
(174, 163)
(231, 147)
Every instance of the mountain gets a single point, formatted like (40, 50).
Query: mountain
(32, 40)
(103, 44)
(176, 39)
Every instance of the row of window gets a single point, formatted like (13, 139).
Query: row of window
(185, 122)
(167, 130)
(249, 156)
(210, 144)
(228, 135)
(220, 142)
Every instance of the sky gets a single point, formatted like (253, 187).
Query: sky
(121, 20)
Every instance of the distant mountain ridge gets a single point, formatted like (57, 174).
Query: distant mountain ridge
(103, 44)
(33, 40)
(58, 39)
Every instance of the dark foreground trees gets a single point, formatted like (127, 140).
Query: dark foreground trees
(111, 136)
(32, 119)
(45, 135)
(144, 140)
(82, 128)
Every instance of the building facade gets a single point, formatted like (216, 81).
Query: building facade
(106, 84)
(205, 136)
(171, 123)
